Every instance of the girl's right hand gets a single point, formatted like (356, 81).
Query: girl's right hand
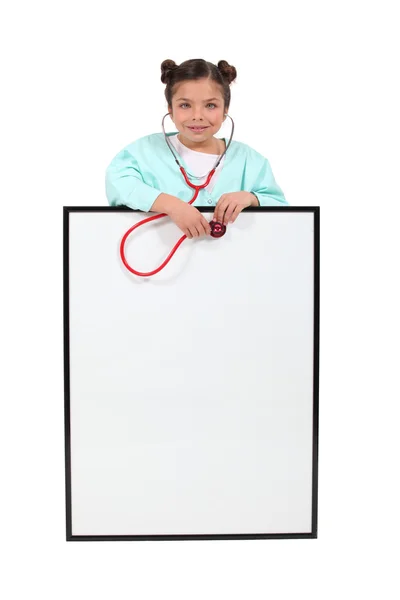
(189, 220)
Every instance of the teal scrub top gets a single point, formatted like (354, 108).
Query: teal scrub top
(144, 169)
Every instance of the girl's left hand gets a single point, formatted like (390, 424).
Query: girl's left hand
(230, 205)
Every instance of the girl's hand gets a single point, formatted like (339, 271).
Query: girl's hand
(230, 205)
(189, 220)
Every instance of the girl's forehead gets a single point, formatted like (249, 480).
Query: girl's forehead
(197, 89)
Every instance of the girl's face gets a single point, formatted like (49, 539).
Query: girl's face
(198, 103)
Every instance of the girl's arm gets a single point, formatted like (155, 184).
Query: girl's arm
(265, 188)
(125, 187)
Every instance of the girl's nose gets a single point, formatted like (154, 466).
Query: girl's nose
(198, 114)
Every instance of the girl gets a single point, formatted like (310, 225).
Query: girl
(145, 176)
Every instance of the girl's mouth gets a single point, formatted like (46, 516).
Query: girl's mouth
(197, 129)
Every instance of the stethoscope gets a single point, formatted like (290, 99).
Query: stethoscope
(217, 229)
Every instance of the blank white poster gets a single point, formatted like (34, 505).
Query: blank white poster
(191, 395)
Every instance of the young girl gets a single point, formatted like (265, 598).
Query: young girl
(145, 176)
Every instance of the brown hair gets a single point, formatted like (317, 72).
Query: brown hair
(223, 73)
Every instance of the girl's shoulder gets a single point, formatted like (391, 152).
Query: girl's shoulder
(146, 141)
(250, 154)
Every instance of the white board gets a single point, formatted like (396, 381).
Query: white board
(191, 397)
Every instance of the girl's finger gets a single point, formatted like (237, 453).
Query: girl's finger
(235, 214)
(229, 212)
(222, 212)
(199, 229)
(206, 226)
(219, 209)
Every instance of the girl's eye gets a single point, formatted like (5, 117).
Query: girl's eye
(186, 104)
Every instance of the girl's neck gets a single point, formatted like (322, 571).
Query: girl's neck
(211, 146)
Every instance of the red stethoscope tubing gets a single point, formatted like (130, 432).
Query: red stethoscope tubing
(175, 248)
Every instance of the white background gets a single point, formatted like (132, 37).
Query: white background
(317, 93)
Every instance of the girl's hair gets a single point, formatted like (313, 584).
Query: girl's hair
(197, 68)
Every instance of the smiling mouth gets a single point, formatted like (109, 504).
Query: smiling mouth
(197, 128)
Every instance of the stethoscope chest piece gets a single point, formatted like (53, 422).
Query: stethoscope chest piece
(217, 229)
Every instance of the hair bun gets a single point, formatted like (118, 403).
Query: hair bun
(166, 67)
(227, 71)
